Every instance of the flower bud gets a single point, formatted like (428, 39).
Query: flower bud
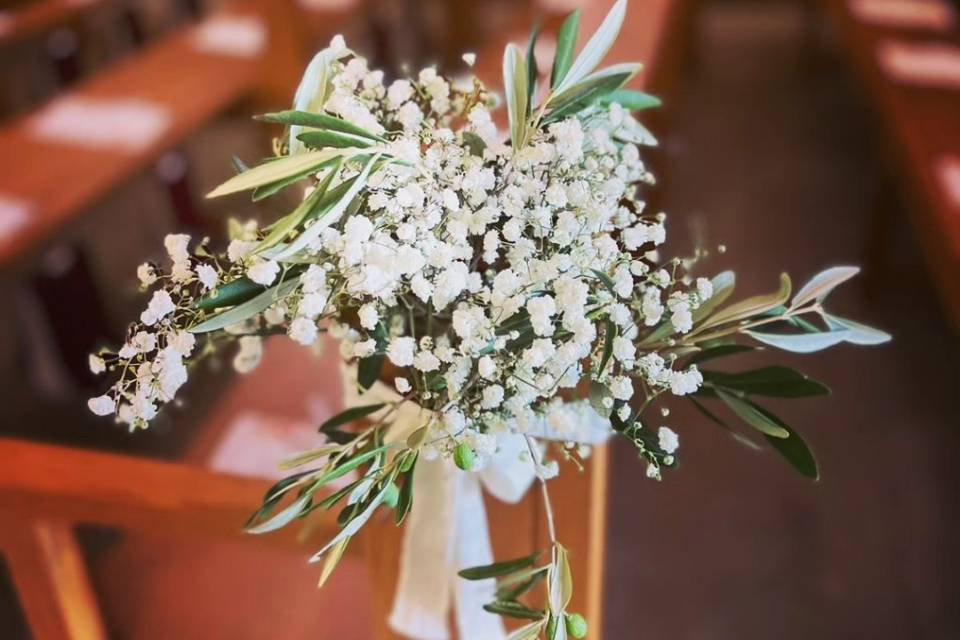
(576, 625)
(463, 456)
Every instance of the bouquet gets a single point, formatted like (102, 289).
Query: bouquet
(510, 289)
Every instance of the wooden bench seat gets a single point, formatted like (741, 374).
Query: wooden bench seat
(920, 127)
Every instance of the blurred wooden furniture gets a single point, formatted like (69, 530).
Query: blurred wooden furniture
(56, 181)
(920, 126)
(45, 490)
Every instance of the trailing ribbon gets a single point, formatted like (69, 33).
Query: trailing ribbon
(447, 530)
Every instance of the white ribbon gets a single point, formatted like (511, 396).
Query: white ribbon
(446, 529)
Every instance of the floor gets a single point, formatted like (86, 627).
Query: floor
(781, 158)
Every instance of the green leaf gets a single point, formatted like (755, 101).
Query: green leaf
(515, 88)
(513, 610)
(742, 439)
(285, 225)
(632, 100)
(720, 351)
(318, 121)
(609, 334)
(532, 72)
(822, 284)
(591, 89)
(752, 306)
(368, 370)
(284, 517)
(498, 568)
(560, 581)
(566, 43)
(351, 415)
(405, 500)
(239, 166)
(331, 214)
(355, 524)
(333, 559)
(474, 143)
(528, 632)
(801, 342)
(858, 333)
(597, 47)
(302, 458)
(249, 308)
(275, 170)
(793, 447)
(598, 394)
(747, 411)
(512, 589)
(335, 139)
(350, 464)
(779, 382)
(723, 286)
(230, 294)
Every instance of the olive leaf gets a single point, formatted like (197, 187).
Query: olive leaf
(274, 170)
(498, 568)
(747, 412)
(248, 309)
(751, 306)
(566, 42)
(820, 286)
(515, 80)
(596, 48)
(801, 342)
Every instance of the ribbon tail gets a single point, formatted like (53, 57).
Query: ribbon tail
(473, 548)
(423, 596)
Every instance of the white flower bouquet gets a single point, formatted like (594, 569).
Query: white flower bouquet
(506, 289)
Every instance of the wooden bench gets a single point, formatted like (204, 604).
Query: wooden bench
(920, 126)
(55, 181)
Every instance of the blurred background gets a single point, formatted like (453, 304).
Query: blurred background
(799, 134)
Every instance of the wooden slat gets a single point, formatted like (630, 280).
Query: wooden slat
(49, 574)
(73, 485)
(919, 126)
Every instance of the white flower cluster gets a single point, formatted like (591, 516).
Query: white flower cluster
(492, 280)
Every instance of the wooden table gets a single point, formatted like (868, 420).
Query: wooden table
(920, 125)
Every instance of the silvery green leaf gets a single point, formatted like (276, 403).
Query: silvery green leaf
(723, 285)
(515, 88)
(858, 333)
(566, 42)
(634, 132)
(283, 518)
(333, 559)
(528, 632)
(275, 170)
(559, 581)
(752, 306)
(608, 80)
(632, 100)
(332, 215)
(323, 121)
(354, 525)
(597, 47)
(313, 91)
(747, 412)
(802, 342)
(248, 309)
(822, 284)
